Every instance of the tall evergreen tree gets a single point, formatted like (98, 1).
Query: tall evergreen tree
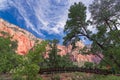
(76, 24)
(105, 18)
(106, 12)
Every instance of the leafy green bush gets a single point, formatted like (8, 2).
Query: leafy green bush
(7, 54)
(29, 66)
(88, 65)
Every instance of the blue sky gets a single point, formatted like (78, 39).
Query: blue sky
(44, 18)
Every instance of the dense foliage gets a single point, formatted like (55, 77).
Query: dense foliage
(7, 53)
(30, 64)
(105, 19)
(56, 60)
(20, 67)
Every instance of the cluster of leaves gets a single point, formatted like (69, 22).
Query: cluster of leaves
(88, 65)
(56, 60)
(7, 53)
(105, 19)
(30, 64)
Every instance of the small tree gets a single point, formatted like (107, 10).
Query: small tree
(7, 53)
(56, 60)
(29, 65)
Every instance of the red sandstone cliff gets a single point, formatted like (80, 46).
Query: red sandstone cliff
(26, 41)
(75, 54)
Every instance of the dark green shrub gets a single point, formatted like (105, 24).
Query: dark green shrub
(88, 65)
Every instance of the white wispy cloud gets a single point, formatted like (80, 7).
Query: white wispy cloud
(48, 15)
(3, 4)
(25, 14)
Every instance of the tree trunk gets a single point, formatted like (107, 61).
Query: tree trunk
(106, 21)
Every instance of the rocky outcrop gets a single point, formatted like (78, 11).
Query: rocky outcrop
(25, 39)
(75, 54)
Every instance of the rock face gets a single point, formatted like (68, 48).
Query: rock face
(26, 41)
(75, 54)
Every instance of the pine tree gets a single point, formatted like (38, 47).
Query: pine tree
(105, 18)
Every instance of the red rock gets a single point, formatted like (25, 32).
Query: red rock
(24, 38)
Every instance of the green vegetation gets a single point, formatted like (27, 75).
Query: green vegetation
(88, 65)
(56, 60)
(105, 19)
(7, 53)
(20, 67)
(27, 67)
(29, 64)
(80, 76)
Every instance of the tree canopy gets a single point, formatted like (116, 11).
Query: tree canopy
(7, 52)
(55, 60)
(105, 18)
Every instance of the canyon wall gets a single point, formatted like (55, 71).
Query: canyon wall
(26, 41)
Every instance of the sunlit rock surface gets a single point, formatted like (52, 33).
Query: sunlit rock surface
(25, 39)
(75, 54)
